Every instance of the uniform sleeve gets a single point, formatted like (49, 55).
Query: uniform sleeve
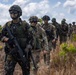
(67, 29)
(54, 32)
(29, 34)
(45, 39)
(3, 33)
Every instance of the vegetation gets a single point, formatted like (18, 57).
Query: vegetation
(66, 49)
(0, 28)
(73, 37)
(63, 60)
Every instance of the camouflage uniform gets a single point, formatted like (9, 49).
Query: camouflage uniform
(51, 35)
(64, 31)
(70, 31)
(20, 30)
(74, 28)
(39, 36)
(0, 29)
(57, 26)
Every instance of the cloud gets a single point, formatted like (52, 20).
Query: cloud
(4, 14)
(35, 8)
(58, 16)
(62, 15)
(29, 8)
(5, 0)
(38, 8)
(57, 5)
(71, 5)
(21, 3)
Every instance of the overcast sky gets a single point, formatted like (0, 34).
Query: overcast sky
(58, 9)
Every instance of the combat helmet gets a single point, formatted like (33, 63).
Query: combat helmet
(46, 17)
(63, 21)
(73, 23)
(16, 8)
(53, 20)
(33, 19)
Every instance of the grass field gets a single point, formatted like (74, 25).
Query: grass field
(59, 65)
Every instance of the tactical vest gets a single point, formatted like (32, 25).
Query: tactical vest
(64, 29)
(49, 31)
(19, 32)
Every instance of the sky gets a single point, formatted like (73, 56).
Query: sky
(58, 9)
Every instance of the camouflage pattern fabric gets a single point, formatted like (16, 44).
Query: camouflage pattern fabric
(63, 33)
(49, 27)
(10, 64)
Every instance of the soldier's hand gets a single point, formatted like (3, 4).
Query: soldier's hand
(54, 40)
(5, 39)
(45, 51)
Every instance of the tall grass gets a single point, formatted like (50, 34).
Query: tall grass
(62, 61)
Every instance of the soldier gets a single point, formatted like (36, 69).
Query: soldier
(57, 26)
(70, 30)
(51, 35)
(0, 29)
(20, 30)
(39, 36)
(64, 31)
(74, 27)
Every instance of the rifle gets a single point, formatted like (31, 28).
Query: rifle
(19, 50)
(28, 49)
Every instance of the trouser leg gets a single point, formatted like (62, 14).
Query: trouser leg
(9, 65)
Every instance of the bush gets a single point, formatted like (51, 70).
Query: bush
(73, 37)
(67, 48)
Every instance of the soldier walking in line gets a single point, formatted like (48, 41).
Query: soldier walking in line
(39, 37)
(20, 30)
(70, 31)
(64, 31)
(51, 36)
(57, 26)
(74, 27)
